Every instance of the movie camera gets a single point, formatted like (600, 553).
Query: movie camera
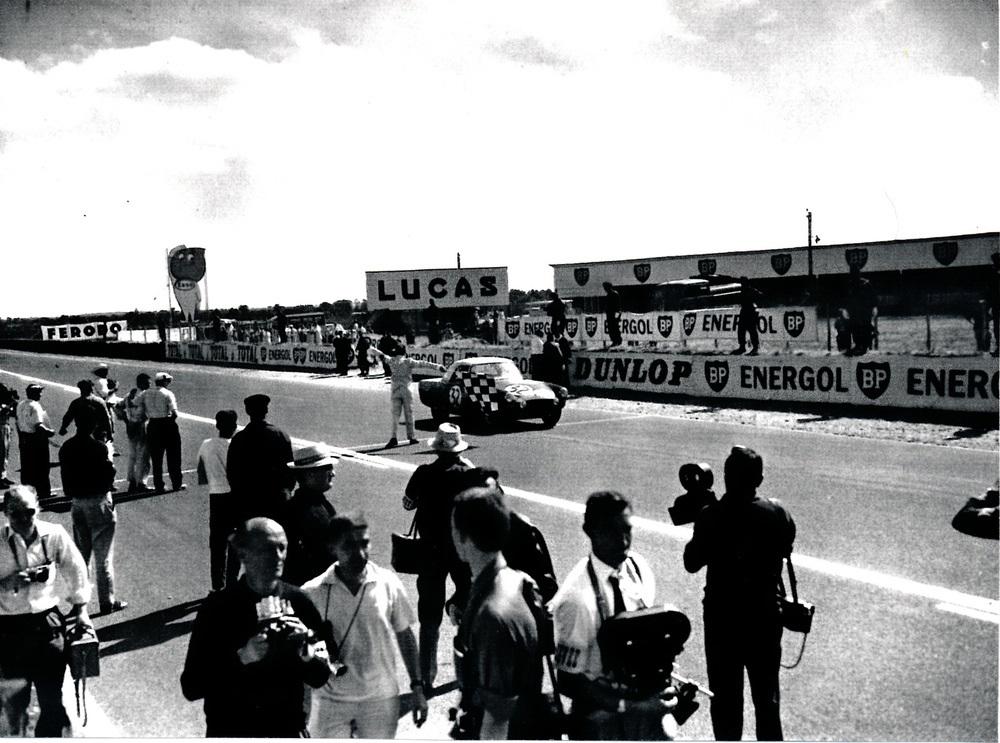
(697, 480)
(284, 636)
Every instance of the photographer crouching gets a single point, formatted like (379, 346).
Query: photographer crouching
(255, 646)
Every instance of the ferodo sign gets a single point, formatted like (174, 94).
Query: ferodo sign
(97, 331)
(788, 324)
(960, 384)
(448, 287)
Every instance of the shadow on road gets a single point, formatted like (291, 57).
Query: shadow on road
(147, 630)
(969, 433)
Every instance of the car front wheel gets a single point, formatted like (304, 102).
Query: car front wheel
(552, 417)
(439, 415)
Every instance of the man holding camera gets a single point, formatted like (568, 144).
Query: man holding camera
(368, 613)
(743, 540)
(498, 657)
(603, 708)
(255, 646)
(37, 559)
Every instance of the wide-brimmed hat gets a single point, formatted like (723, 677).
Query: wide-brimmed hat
(313, 456)
(100, 367)
(162, 377)
(448, 439)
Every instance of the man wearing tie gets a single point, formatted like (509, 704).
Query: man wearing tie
(603, 709)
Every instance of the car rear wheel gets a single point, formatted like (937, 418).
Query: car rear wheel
(552, 417)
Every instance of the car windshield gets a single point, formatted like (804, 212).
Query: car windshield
(506, 369)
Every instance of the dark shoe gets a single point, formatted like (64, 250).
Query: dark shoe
(160, 491)
(178, 488)
(114, 606)
(414, 441)
(393, 443)
(6, 482)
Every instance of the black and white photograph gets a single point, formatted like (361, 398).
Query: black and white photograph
(528, 370)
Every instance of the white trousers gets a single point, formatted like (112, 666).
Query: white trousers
(375, 718)
(402, 401)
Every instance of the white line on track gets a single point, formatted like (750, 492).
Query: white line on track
(623, 417)
(946, 599)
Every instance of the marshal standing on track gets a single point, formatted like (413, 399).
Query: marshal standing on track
(742, 539)
(159, 407)
(257, 463)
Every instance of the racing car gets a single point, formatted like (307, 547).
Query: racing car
(485, 389)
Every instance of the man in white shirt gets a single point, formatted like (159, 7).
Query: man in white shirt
(401, 372)
(101, 387)
(39, 565)
(602, 709)
(224, 564)
(368, 612)
(34, 429)
(159, 406)
(137, 454)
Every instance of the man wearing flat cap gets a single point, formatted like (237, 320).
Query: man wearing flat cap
(257, 464)
(308, 514)
(159, 406)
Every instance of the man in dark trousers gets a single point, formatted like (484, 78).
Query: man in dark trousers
(254, 650)
(257, 463)
(33, 433)
(342, 350)
(613, 313)
(861, 304)
(88, 477)
(552, 360)
(748, 317)
(743, 540)
(308, 514)
(158, 406)
(430, 491)
(557, 311)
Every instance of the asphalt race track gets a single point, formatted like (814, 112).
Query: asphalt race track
(904, 644)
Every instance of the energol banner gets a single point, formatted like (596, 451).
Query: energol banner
(785, 324)
(448, 287)
(87, 331)
(947, 383)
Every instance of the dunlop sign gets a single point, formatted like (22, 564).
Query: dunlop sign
(960, 384)
(88, 331)
(786, 324)
(448, 287)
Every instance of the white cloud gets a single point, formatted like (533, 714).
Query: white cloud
(513, 137)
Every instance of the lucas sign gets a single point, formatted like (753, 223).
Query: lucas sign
(448, 287)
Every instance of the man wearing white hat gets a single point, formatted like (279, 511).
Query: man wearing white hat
(159, 406)
(431, 490)
(308, 513)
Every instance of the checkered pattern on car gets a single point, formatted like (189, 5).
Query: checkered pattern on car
(482, 390)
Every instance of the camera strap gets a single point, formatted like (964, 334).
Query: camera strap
(17, 559)
(357, 608)
(793, 585)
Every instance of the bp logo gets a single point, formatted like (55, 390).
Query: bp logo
(513, 328)
(945, 253)
(706, 266)
(581, 275)
(665, 324)
(572, 325)
(590, 326)
(717, 374)
(641, 271)
(299, 354)
(795, 322)
(856, 257)
(781, 263)
(263, 353)
(447, 359)
(688, 322)
(873, 378)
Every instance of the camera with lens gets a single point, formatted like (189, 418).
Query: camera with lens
(697, 480)
(39, 573)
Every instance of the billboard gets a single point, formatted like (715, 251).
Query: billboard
(448, 287)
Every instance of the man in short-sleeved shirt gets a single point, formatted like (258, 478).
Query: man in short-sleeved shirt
(33, 433)
(498, 656)
(159, 406)
(603, 709)
(369, 614)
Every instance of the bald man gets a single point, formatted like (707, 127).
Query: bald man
(255, 648)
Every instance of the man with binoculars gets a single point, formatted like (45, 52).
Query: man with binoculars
(36, 558)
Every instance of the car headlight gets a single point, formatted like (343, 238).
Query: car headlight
(515, 399)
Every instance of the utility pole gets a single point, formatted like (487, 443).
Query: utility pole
(458, 259)
(809, 221)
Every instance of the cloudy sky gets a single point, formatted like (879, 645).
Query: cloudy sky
(303, 143)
